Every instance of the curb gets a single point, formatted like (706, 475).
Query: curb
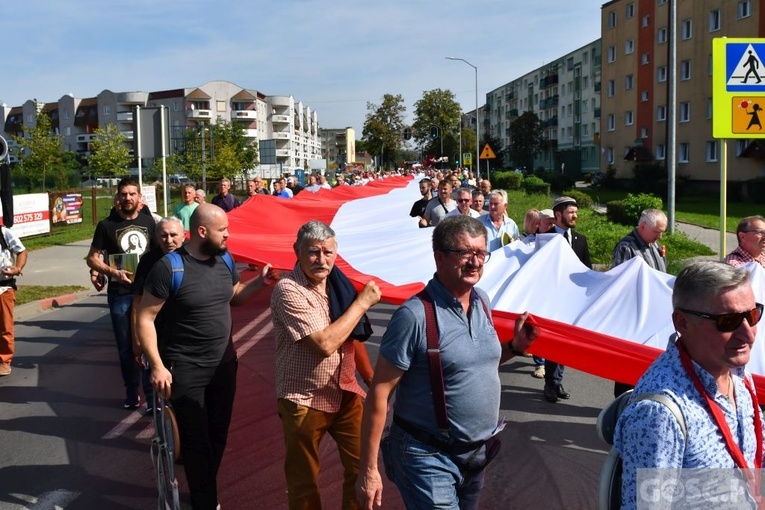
(35, 308)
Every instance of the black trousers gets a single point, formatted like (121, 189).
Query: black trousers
(203, 400)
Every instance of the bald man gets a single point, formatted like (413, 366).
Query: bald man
(196, 365)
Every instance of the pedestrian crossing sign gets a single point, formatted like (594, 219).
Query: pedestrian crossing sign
(738, 88)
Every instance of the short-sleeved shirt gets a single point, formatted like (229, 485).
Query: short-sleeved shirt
(470, 355)
(8, 257)
(227, 203)
(198, 325)
(436, 210)
(183, 212)
(740, 256)
(303, 375)
(494, 235)
(116, 235)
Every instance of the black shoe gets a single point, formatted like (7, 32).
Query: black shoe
(132, 403)
(550, 393)
(561, 392)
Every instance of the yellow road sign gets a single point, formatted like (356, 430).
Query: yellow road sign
(467, 158)
(738, 88)
(487, 153)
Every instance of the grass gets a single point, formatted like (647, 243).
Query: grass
(28, 293)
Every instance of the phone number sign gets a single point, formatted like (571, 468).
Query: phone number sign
(31, 215)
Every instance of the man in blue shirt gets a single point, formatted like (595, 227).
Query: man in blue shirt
(500, 228)
(425, 470)
(703, 369)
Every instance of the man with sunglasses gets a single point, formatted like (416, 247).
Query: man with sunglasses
(422, 457)
(751, 242)
(703, 373)
(464, 197)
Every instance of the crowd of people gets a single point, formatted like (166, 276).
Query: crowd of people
(172, 312)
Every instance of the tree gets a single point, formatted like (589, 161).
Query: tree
(68, 172)
(526, 140)
(109, 156)
(39, 151)
(383, 127)
(437, 109)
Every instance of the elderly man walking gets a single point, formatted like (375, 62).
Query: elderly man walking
(443, 433)
(751, 242)
(500, 228)
(316, 383)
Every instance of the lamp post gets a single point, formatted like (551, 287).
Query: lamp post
(477, 127)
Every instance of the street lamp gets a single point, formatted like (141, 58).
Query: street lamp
(477, 126)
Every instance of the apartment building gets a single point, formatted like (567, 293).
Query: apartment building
(338, 146)
(293, 126)
(565, 96)
(635, 111)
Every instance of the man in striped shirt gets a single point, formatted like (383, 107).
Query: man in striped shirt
(316, 382)
(751, 241)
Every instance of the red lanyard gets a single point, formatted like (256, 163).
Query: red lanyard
(717, 415)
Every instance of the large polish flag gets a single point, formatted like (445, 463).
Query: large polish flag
(611, 324)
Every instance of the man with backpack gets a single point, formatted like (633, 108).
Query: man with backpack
(438, 343)
(196, 365)
(713, 420)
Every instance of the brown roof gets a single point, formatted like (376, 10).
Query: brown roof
(243, 95)
(198, 94)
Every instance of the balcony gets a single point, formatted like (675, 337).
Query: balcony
(552, 122)
(597, 86)
(280, 119)
(125, 117)
(596, 114)
(282, 153)
(198, 114)
(86, 138)
(244, 115)
(250, 133)
(127, 134)
(282, 136)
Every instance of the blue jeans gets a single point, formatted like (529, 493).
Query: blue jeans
(120, 307)
(553, 373)
(427, 477)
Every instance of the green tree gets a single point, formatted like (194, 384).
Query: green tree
(109, 156)
(39, 151)
(437, 109)
(526, 140)
(384, 126)
(67, 174)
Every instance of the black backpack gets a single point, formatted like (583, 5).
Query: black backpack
(610, 483)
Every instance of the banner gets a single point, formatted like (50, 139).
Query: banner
(66, 208)
(31, 214)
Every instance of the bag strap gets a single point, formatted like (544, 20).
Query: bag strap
(434, 361)
(176, 266)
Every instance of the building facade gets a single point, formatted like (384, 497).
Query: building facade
(291, 125)
(338, 146)
(565, 96)
(636, 77)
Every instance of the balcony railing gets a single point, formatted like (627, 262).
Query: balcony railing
(199, 114)
(127, 134)
(282, 153)
(282, 136)
(125, 117)
(280, 119)
(86, 138)
(244, 115)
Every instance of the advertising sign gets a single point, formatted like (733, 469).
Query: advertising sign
(31, 214)
(66, 208)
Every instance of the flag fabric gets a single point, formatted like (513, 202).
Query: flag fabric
(609, 324)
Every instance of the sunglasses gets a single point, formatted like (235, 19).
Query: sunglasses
(727, 322)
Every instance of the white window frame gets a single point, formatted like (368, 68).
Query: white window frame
(685, 70)
(661, 74)
(629, 118)
(644, 96)
(629, 46)
(610, 88)
(661, 152)
(715, 20)
(609, 155)
(684, 111)
(661, 35)
(686, 29)
(629, 82)
(643, 133)
(684, 152)
(610, 122)
(645, 58)
(612, 19)
(743, 9)
(646, 21)
(661, 113)
(629, 11)
(711, 151)
(611, 54)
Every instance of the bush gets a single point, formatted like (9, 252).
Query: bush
(533, 185)
(558, 182)
(755, 188)
(628, 211)
(608, 178)
(583, 200)
(506, 180)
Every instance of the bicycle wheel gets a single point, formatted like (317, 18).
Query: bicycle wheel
(163, 453)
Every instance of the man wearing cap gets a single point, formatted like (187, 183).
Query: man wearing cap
(751, 242)
(293, 185)
(500, 228)
(565, 210)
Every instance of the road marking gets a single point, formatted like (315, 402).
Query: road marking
(122, 426)
(54, 500)
(148, 432)
(252, 325)
(249, 344)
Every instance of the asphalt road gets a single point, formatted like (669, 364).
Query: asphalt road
(68, 444)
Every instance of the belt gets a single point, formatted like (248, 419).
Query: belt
(450, 447)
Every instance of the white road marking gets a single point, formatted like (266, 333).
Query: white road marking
(146, 433)
(122, 426)
(249, 344)
(53, 500)
(252, 325)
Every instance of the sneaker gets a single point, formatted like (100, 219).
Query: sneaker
(539, 372)
(5, 368)
(132, 403)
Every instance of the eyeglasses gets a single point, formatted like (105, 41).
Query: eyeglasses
(463, 200)
(756, 231)
(727, 322)
(467, 255)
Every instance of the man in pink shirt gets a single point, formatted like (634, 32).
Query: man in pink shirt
(751, 242)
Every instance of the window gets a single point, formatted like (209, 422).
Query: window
(629, 82)
(585, 82)
(628, 118)
(107, 109)
(645, 21)
(611, 54)
(612, 19)
(611, 88)
(569, 111)
(176, 106)
(685, 70)
(585, 107)
(712, 151)
(744, 9)
(684, 153)
(610, 122)
(643, 132)
(661, 152)
(610, 155)
(629, 46)
(585, 57)
(684, 112)
(644, 96)
(715, 20)
(68, 131)
(569, 133)
(686, 29)
(709, 107)
(661, 73)
(661, 113)
(629, 11)
(662, 2)
(585, 130)
(661, 35)
(645, 58)
(220, 106)
(741, 146)
(66, 113)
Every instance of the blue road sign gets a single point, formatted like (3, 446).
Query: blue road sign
(744, 67)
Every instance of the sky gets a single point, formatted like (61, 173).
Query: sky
(334, 56)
